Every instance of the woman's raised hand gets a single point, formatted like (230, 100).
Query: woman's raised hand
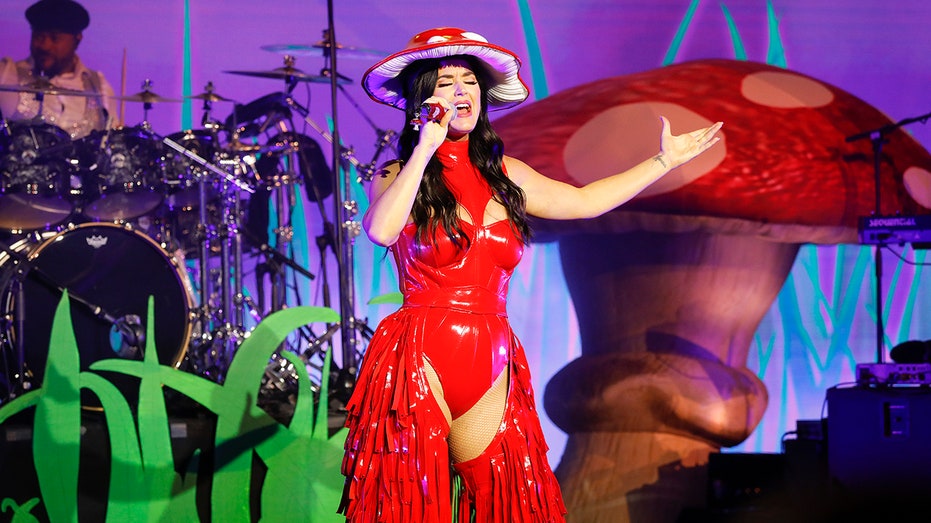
(432, 133)
(678, 149)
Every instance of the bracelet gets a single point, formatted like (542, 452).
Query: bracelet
(659, 158)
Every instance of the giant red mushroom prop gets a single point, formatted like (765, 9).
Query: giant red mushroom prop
(670, 288)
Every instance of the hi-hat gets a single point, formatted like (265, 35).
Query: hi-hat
(288, 73)
(321, 49)
(43, 86)
(145, 97)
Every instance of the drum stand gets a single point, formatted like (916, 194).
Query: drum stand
(222, 302)
(230, 328)
(221, 314)
(282, 193)
(232, 297)
(17, 280)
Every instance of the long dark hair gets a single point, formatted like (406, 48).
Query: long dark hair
(435, 205)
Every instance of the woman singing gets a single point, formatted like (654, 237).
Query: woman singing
(444, 385)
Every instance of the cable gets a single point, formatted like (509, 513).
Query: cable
(901, 256)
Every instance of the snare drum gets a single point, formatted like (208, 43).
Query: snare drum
(36, 169)
(108, 266)
(123, 175)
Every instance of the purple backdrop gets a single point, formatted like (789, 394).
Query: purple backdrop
(866, 47)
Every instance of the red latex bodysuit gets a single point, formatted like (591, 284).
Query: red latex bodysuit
(397, 462)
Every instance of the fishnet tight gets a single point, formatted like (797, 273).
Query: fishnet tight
(471, 433)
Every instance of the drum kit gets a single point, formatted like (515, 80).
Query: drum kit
(123, 214)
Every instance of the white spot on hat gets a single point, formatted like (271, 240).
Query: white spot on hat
(474, 36)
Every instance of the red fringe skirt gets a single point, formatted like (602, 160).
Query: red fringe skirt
(397, 463)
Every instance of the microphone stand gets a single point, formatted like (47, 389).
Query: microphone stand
(877, 138)
(345, 211)
(131, 332)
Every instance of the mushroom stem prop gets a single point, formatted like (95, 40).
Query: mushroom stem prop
(666, 321)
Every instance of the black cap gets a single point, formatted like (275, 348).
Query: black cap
(58, 15)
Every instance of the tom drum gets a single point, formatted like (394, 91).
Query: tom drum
(36, 169)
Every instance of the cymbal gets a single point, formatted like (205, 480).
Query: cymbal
(145, 97)
(320, 49)
(288, 73)
(210, 97)
(43, 86)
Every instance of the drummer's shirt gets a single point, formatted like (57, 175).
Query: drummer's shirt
(77, 115)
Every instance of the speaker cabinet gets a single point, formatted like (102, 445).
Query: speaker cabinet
(879, 441)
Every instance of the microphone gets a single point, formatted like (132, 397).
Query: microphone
(127, 336)
(432, 111)
(429, 112)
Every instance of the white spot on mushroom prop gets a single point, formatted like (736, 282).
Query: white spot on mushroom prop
(670, 288)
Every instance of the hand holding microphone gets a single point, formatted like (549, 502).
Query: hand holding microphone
(429, 112)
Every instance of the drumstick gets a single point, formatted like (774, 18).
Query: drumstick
(122, 90)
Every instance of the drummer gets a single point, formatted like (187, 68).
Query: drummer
(57, 29)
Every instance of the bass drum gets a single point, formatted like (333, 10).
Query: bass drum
(110, 267)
